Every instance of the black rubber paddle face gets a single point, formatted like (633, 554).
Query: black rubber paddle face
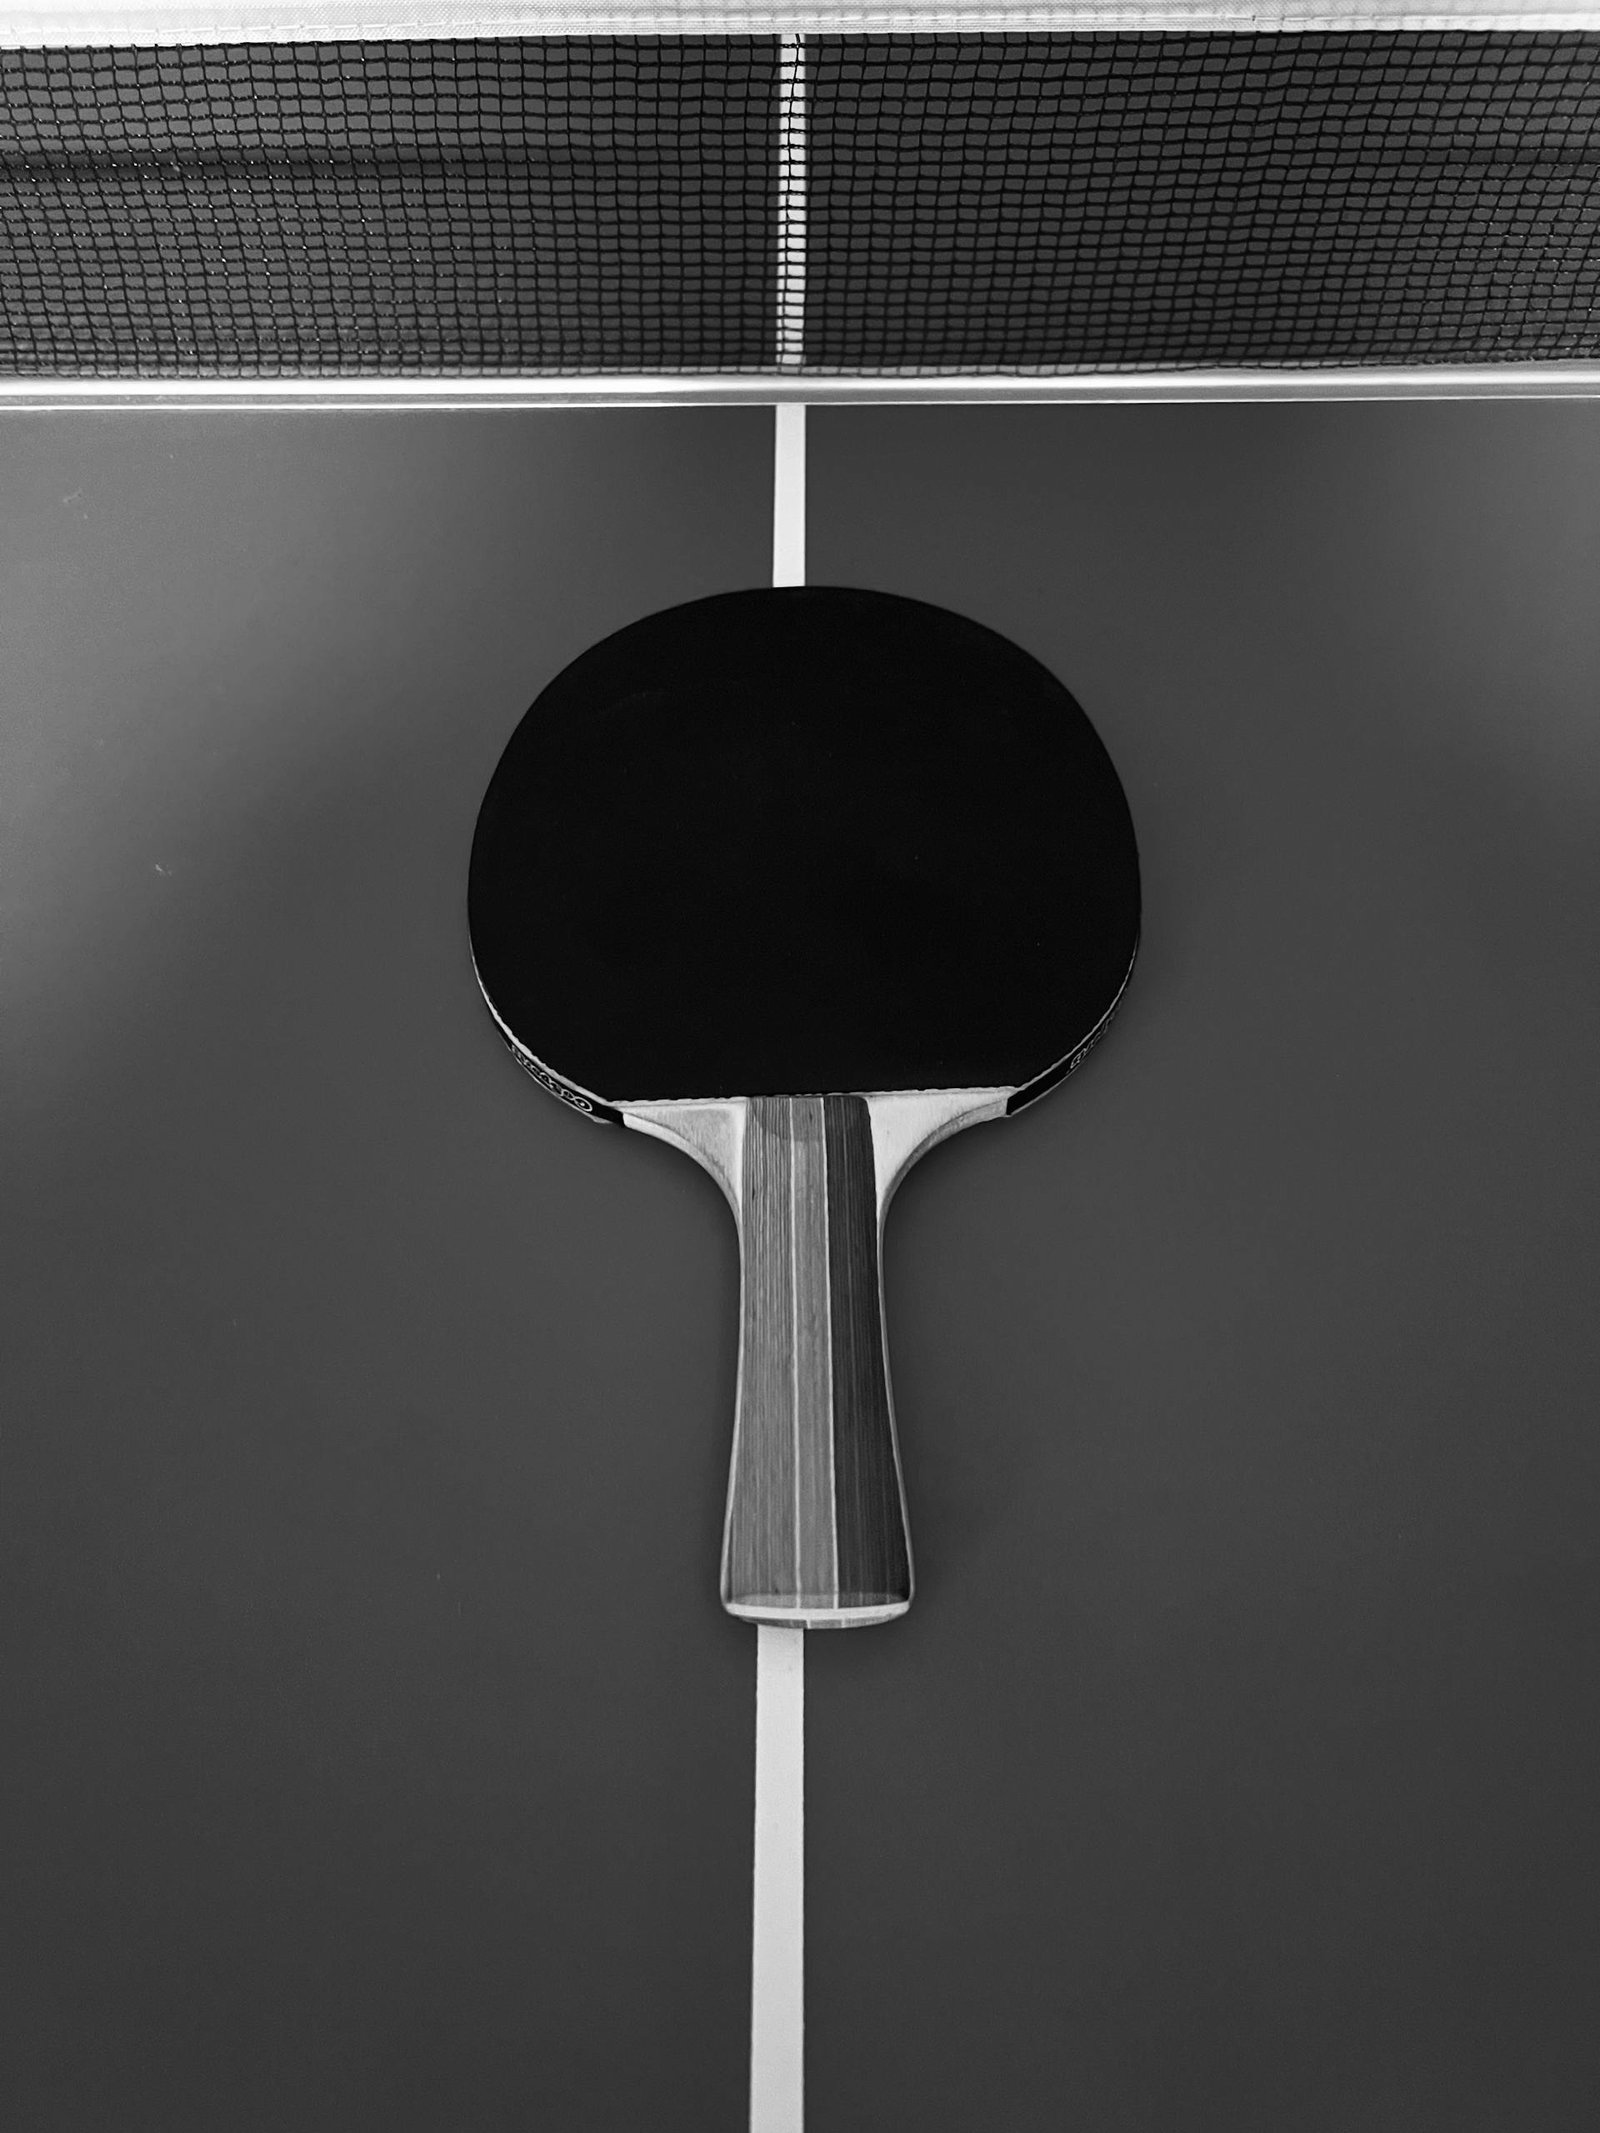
(803, 841)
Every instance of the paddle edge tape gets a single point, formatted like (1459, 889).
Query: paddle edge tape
(1042, 1084)
(589, 1105)
(575, 1098)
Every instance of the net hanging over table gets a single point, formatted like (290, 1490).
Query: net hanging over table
(1077, 199)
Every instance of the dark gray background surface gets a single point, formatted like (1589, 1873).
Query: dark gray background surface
(375, 1752)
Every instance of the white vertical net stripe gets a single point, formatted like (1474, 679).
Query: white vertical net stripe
(791, 220)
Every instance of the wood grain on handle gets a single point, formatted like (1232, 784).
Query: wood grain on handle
(815, 1534)
(816, 1526)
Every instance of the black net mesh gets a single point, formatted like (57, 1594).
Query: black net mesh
(369, 209)
(973, 204)
(1102, 202)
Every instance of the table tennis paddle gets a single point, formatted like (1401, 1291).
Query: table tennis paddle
(803, 881)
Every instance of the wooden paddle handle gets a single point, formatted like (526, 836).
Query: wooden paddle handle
(816, 1528)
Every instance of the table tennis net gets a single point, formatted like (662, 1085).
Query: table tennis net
(833, 205)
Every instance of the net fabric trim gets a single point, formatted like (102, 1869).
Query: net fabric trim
(512, 390)
(40, 23)
(933, 207)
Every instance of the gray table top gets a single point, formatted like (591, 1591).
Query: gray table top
(377, 1752)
